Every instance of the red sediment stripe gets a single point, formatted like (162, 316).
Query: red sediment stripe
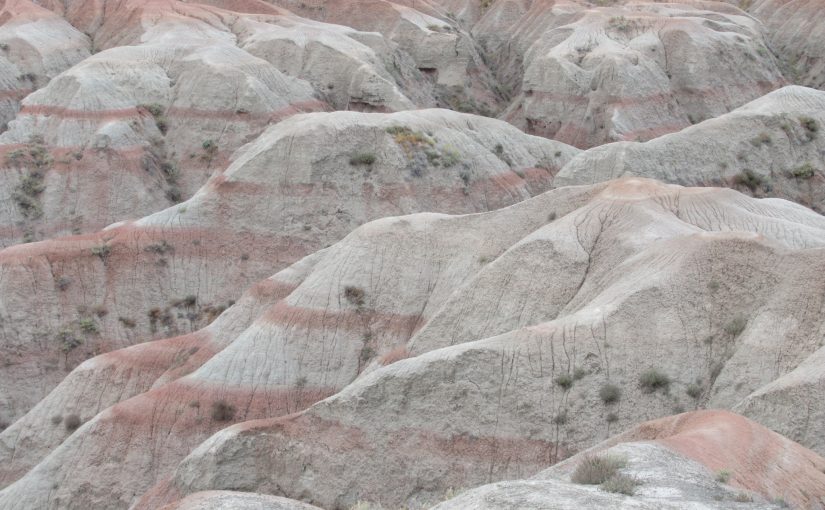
(408, 442)
(174, 405)
(191, 113)
(272, 289)
(15, 93)
(284, 314)
(160, 354)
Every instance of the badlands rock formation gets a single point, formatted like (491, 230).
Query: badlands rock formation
(677, 462)
(303, 184)
(772, 146)
(795, 29)
(588, 76)
(487, 400)
(251, 259)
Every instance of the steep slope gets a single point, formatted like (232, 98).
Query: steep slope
(772, 146)
(142, 125)
(678, 462)
(428, 31)
(35, 46)
(303, 184)
(557, 330)
(630, 71)
(797, 34)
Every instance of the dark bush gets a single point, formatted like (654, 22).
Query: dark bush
(222, 411)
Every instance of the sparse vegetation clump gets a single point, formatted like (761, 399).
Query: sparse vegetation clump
(652, 380)
(694, 391)
(102, 251)
(422, 151)
(362, 158)
(564, 381)
(620, 484)
(157, 111)
(222, 411)
(355, 295)
(36, 158)
(610, 393)
(161, 247)
(804, 171)
(622, 24)
(748, 179)
(722, 476)
(210, 148)
(761, 139)
(88, 325)
(597, 469)
(68, 341)
(810, 125)
(72, 422)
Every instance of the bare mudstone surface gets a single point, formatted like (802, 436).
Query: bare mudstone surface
(385, 254)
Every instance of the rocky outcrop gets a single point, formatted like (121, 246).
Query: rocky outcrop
(772, 146)
(35, 46)
(486, 399)
(284, 196)
(686, 461)
(266, 304)
(797, 35)
(587, 76)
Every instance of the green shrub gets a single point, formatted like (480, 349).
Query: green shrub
(810, 125)
(355, 295)
(748, 179)
(160, 247)
(102, 251)
(722, 476)
(597, 469)
(88, 325)
(362, 158)
(652, 380)
(564, 381)
(612, 418)
(450, 157)
(743, 498)
(68, 341)
(610, 393)
(805, 171)
(72, 422)
(694, 391)
(222, 411)
(620, 484)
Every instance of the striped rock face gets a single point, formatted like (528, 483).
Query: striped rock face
(703, 459)
(797, 34)
(768, 147)
(302, 185)
(422, 392)
(370, 254)
(588, 76)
